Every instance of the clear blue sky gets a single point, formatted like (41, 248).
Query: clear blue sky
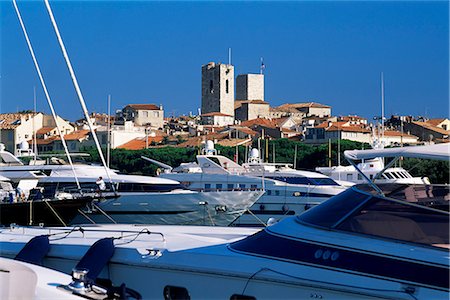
(152, 52)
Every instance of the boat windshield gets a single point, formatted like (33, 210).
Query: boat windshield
(358, 212)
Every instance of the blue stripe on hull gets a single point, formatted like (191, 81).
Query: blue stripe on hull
(327, 256)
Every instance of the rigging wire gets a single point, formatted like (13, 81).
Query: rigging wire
(47, 95)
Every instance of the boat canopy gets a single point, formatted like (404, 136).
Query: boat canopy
(374, 215)
(437, 152)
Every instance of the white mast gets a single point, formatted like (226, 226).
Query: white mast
(229, 56)
(47, 95)
(382, 108)
(77, 88)
(108, 143)
(34, 127)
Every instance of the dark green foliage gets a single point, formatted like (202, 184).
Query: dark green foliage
(436, 170)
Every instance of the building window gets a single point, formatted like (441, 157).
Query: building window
(230, 186)
(211, 87)
(226, 86)
(145, 114)
(156, 114)
(219, 186)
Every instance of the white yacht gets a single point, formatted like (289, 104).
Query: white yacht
(356, 245)
(374, 169)
(131, 198)
(41, 283)
(287, 191)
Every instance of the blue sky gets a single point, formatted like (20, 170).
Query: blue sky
(151, 52)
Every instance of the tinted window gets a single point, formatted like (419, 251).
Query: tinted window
(391, 219)
(334, 209)
(305, 180)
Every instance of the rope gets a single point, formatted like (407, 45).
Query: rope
(55, 213)
(104, 213)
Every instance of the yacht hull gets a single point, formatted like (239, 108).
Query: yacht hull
(202, 262)
(178, 208)
(46, 212)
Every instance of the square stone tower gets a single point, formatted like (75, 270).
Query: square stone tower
(218, 88)
(250, 87)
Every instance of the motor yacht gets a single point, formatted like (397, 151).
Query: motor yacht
(128, 198)
(356, 245)
(371, 168)
(288, 191)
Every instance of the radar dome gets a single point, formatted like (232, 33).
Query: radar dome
(254, 153)
(209, 145)
(24, 145)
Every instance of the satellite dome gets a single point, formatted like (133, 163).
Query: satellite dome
(209, 145)
(254, 153)
(24, 145)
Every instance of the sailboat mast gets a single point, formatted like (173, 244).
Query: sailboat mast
(108, 143)
(78, 90)
(34, 127)
(47, 95)
(382, 107)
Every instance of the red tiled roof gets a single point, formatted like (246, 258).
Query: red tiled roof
(43, 141)
(45, 130)
(322, 125)
(396, 133)
(305, 104)
(140, 143)
(242, 129)
(7, 120)
(75, 135)
(258, 121)
(435, 122)
(347, 129)
(143, 106)
(215, 114)
(234, 142)
(432, 127)
(192, 142)
(279, 121)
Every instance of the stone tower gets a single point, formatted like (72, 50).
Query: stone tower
(250, 87)
(218, 88)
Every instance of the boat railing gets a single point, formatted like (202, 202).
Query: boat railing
(66, 231)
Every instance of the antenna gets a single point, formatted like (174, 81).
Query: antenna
(262, 67)
(229, 56)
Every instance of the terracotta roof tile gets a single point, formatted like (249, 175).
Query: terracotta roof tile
(13, 120)
(75, 135)
(140, 143)
(435, 122)
(432, 127)
(258, 121)
(45, 130)
(215, 114)
(143, 106)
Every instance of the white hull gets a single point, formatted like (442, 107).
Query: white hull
(200, 260)
(280, 200)
(175, 208)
